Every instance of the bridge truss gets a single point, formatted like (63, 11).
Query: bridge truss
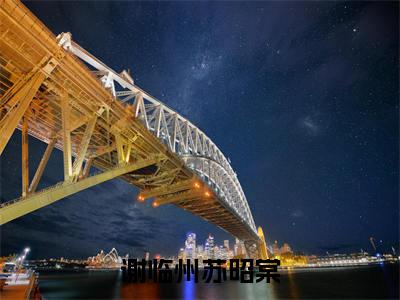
(54, 90)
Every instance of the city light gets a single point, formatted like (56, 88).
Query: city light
(196, 185)
(207, 194)
(140, 198)
(155, 204)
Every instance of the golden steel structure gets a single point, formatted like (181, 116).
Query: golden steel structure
(54, 90)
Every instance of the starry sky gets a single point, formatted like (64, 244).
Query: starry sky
(301, 96)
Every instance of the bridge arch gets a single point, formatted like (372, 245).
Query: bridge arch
(88, 114)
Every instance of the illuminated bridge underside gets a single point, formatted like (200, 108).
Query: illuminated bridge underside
(55, 91)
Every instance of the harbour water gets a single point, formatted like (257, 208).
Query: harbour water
(373, 281)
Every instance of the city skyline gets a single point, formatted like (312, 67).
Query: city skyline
(311, 134)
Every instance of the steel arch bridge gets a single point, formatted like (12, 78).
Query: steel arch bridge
(54, 90)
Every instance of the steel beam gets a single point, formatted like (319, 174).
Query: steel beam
(262, 245)
(21, 95)
(86, 169)
(42, 166)
(77, 167)
(120, 148)
(67, 151)
(23, 206)
(25, 157)
(128, 153)
(186, 196)
(165, 190)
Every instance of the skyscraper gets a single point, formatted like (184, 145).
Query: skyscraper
(209, 247)
(239, 248)
(181, 254)
(190, 246)
(226, 244)
(236, 247)
(286, 248)
(200, 253)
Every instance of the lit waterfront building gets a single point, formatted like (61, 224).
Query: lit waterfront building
(223, 252)
(209, 247)
(210, 250)
(190, 246)
(102, 260)
(286, 248)
(352, 259)
(182, 254)
(230, 254)
(147, 256)
(275, 249)
(200, 253)
(239, 249)
(235, 247)
(217, 253)
(226, 244)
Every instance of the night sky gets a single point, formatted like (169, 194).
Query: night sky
(302, 97)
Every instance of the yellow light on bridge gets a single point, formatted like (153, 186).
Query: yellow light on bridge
(140, 198)
(196, 185)
(155, 204)
(207, 194)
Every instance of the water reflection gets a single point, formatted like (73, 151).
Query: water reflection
(189, 290)
(147, 290)
(363, 282)
(294, 292)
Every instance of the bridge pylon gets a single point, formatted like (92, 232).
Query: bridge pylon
(262, 248)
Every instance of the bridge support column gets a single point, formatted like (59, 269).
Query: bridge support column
(77, 167)
(262, 247)
(25, 157)
(66, 133)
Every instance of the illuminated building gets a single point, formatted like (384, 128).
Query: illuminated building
(235, 247)
(217, 253)
(182, 254)
(352, 259)
(200, 253)
(147, 256)
(190, 246)
(102, 260)
(239, 249)
(229, 253)
(226, 244)
(223, 252)
(209, 247)
(286, 248)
